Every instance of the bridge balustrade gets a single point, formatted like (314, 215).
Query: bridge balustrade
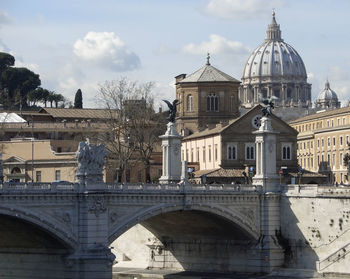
(8, 187)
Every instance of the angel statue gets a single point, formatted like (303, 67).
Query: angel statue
(172, 109)
(269, 105)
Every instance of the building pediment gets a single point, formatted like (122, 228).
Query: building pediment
(14, 159)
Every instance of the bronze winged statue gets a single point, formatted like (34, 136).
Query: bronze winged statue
(172, 109)
(269, 105)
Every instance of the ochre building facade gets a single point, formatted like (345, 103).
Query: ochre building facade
(322, 142)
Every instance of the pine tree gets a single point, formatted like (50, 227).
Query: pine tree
(78, 100)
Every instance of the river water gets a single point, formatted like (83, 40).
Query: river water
(127, 273)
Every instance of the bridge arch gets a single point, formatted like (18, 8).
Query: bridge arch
(231, 215)
(40, 223)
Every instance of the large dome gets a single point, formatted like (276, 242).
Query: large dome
(275, 69)
(275, 59)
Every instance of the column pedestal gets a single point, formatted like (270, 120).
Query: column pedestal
(171, 145)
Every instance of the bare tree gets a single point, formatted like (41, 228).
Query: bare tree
(133, 126)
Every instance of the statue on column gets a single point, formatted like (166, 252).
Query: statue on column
(91, 159)
(269, 104)
(172, 109)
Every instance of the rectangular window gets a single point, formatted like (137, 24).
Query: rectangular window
(340, 160)
(333, 141)
(139, 176)
(216, 152)
(209, 150)
(327, 123)
(57, 175)
(338, 120)
(328, 141)
(187, 158)
(322, 142)
(318, 143)
(197, 151)
(333, 160)
(191, 154)
(341, 140)
(38, 176)
(232, 103)
(203, 154)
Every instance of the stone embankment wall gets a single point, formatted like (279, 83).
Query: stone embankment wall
(315, 227)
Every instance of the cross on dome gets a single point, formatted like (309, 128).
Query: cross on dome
(208, 57)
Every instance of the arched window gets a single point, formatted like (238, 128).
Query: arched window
(231, 152)
(250, 151)
(286, 151)
(189, 102)
(16, 170)
(212, 102)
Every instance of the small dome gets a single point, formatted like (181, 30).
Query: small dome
(327, 98)
(327, 93)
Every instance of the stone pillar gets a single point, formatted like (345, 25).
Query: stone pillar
(171, 145)
(92, 258)
(269, 251)
(266, 175)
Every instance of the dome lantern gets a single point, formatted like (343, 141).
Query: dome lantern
(273, 31)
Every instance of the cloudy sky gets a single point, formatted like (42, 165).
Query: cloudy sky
(82, 43)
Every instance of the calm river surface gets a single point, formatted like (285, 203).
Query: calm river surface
(125, 273)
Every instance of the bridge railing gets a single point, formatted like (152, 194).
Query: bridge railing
(180, 187)
(314, 189)
(16, 187)
(37, 187)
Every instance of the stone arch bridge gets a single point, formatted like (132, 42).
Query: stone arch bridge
(65, 230)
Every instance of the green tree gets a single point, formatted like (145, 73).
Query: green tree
(18, 83)
(44, 96)
(58, 98)
(78, 100)
(6, 60)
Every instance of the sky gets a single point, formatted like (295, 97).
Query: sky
(81, 43)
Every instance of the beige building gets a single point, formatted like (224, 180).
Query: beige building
(231, 146)
(322, 142)
(27, 160)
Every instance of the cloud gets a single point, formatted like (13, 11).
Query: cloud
(106, 50)
(216, 45)
(31, 66)
(4, 18)
(70, 77)
(4, 47)
(238, 9)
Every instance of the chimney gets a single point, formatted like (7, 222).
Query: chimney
(179, 78)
